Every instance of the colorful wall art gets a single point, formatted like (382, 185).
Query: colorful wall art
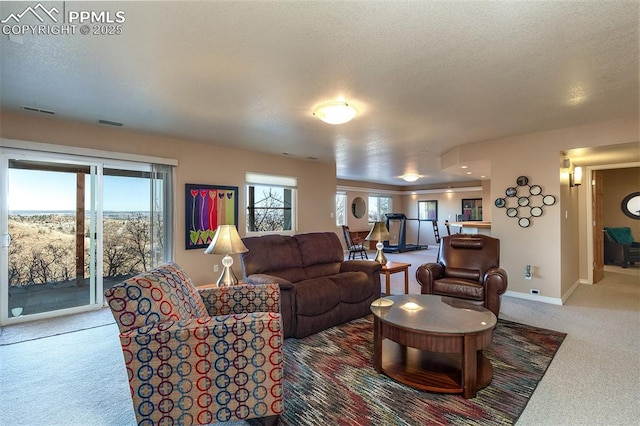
(208, 206)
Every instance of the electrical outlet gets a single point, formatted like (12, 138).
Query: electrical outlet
(215, 268)
(534, 291)
(527, 272)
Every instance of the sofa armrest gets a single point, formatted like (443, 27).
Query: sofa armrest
(269, 279)
(366, 266)
(495, 280)
(241, 299)
(426, 274)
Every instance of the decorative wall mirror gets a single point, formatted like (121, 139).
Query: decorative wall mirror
(631, 205)
(358, 207)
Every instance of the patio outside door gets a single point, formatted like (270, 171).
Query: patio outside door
(48, 236)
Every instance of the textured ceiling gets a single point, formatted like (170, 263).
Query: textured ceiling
(425, 76)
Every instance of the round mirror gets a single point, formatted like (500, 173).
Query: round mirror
(358, 207)
(535, 190)
(631, 205)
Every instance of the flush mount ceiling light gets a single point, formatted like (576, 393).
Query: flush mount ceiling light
(411, 177)
(335, 112)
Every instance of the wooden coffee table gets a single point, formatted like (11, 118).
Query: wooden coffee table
(434, 345)
(391, 268)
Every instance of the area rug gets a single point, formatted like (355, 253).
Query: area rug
(329, 379)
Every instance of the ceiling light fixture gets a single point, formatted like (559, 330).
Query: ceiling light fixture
(335, 112)
(411, 177)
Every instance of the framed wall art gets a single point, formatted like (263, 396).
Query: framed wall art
(207, 207)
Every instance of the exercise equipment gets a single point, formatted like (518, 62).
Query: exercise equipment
(402, 245)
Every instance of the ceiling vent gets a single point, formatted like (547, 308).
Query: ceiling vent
(33, 109)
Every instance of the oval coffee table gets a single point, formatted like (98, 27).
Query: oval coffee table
(433, 343)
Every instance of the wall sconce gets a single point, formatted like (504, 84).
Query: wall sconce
(575, 178)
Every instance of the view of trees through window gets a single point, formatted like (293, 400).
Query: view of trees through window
(378, 208)
(54, 239)
(269, 208)
(341, 209)
(126, 247)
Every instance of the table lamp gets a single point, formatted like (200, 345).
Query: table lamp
(227, 241)
(379, 233)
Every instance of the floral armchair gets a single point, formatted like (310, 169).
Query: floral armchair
(199, 357)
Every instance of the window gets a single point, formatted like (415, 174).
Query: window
(341, 209)
(271, 203)
(73, 226)
(428, 210)
(379, 206)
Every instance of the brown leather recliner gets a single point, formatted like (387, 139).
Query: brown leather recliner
(468, 267)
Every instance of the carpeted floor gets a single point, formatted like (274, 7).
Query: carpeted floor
(329, 379)
(40, 329)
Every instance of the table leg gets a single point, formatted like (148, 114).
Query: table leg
(469, 367)
(377, 346)
(388, 283)
(406, 281)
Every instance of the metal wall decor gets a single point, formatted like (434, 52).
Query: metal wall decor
(524, 201)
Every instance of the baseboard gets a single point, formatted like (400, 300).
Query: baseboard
(534, 297)
(570, 291)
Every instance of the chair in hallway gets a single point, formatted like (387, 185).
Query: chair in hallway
(355, 246)
(199, 357)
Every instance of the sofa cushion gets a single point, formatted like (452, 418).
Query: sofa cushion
(316, 296)
(354, 286)
(319, 247)
(274, 255)
(457, 287)
(467, 274)
(322, 270)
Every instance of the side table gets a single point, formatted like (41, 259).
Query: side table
(391, 268)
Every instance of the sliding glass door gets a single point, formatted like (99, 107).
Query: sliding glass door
(71, 227)
(50, 235)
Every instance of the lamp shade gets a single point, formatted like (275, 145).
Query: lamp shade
(335, 112)
(226, 241)
(379, 232)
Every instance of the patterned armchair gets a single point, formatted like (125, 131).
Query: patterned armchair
(199, 357)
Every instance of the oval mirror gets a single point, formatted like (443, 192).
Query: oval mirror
(358, 207)
(631, 205)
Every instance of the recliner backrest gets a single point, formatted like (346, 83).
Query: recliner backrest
(468, 256)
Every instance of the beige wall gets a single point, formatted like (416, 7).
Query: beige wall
(551, 243)
(198, 163)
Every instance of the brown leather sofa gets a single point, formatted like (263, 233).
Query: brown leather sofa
(467, 267)
(318, 288)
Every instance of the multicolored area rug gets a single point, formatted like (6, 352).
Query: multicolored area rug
(330, 380)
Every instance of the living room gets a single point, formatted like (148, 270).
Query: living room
(558, 244)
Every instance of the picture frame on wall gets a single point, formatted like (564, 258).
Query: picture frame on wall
(207, 207)
(428, 210)
(472, 208)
